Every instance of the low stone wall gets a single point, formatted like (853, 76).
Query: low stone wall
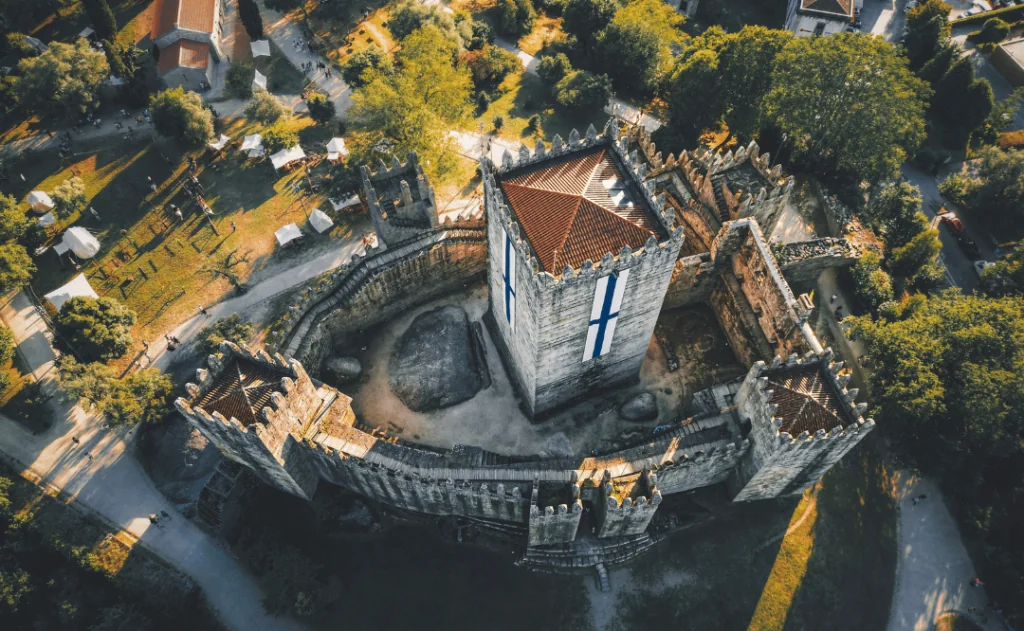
(803, 262)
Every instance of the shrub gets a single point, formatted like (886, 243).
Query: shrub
(994, 30)
(239, 80)
(517, 17)
(7, 345)
(321, 109)
(16, 267)
(957, 188)
(499, 122)
(182, 115)
(1011, 139)
(490, 65)
(481, 34)
(232, 329)
(483, 101)
(102, 18)
(98, 328)
(264, 108)
(533, 123)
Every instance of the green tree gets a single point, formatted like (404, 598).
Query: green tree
(69, 197)
(102, 19)
(517, 17)
(321, 109)
(140, 397)
(249, 13)
(371, 57)
(939, 65)
(907, 260)
(414, 108)
(897, 211)
(91, 381)
(747, 59)
(692, 109)
(583, 90)
(635, 49)
(872, 283)
(490, 65)
(993, 31)
(1001, 116)
(232, 329)
(999, 189)
(13, 222)
(279, 137)
(182, 115)
(927, 30)
(585, 20)
(264, 108)
(411, 16)
(961, 102)
(16, 267)
(849, 104)
(63, 80)
(98, 328)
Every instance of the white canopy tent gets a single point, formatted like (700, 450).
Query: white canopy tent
(336, 149)
(81, 242)
(285, 157)
(77, 286)
(47, 220)
(252, 144)
(86, 32)
(221, 143)
(287, 234)
(39, 201)
(320, 220)
(259, 81)
(344, 203)
(260, 48)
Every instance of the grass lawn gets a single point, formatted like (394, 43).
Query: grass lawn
(341, 31)
(522, 96)
(834, 569)
(159, 268)
(545, 30)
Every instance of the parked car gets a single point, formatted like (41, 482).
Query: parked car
(969, 247)
(979, 266)
(951, 221)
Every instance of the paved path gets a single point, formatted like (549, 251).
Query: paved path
(340, 252)
(104, 477)
(933, 569)
(286, 34)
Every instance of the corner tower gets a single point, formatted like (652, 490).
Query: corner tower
(580, 254)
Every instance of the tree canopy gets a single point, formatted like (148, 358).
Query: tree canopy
(232, 328)
(13, 222)
(848, 103)
(321, 109)
(180, 114)
(413, 108)
(97, 328)
(139, 397)
(63, 80)
(635, 49)
(249, 13)
(264, 108)
(69, 197)
(371, 57)
(16, 267)
(102, 19)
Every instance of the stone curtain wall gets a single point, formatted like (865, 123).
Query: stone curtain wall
(802, 263)
(692, 281)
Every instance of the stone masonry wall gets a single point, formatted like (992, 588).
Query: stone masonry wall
(692, 281)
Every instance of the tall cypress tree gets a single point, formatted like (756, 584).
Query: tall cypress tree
(102, 19)
(251, 18)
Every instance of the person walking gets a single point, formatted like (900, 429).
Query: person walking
(203, 311)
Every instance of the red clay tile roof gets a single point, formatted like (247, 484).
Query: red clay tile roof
(185, 53)
(839, 7)
(194, 15)
(242, 390)
(806, 401)
(568, 205)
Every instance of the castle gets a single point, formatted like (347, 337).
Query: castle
(582, 246)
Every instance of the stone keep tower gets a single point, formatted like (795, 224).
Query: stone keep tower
(580, 254)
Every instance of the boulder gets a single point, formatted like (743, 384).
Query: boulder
(639, 407)
(558, 446)
(434, 364)
(343, 369)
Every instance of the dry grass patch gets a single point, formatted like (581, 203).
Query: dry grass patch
(545, 31)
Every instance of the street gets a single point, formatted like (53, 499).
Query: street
(959, 267)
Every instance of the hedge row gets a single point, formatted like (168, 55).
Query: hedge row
(1010, 14)
(1011, 139)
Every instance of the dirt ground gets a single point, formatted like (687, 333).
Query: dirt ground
(493, 420)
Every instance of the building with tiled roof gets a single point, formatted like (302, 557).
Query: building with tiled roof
(580, 255)
(821, 17)
(188, 34)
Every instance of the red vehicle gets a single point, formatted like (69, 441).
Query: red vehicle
(954, 224)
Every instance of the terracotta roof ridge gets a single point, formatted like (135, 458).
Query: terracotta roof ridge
(598, 163)
(808, 398)
(617, 218)
(544, 256)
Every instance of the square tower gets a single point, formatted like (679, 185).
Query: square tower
(580, 254)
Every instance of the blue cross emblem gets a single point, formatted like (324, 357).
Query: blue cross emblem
(605, 317)
(509, 277)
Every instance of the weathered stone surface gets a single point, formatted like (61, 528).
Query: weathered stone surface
(639, 407)
(343, 369)
(433, 364)
(558, 446)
